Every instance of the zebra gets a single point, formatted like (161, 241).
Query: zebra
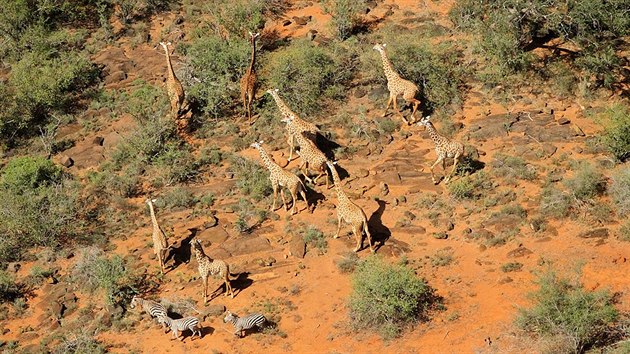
(243, 323)
(182, 324)
(154, 309)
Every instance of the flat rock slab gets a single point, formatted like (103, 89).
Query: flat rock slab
(246, 245)
(595, 233)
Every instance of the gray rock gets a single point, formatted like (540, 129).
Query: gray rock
(98, 140)
(519, 252)
(66, 161)
(215, 310)
(595, 233)
(286, 23)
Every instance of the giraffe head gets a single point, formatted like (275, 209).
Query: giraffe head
(165, 45)
(288, 119)
(380, 47)
(425, 121)
(253, 36)
(150, 201)
(272, 91)
(257, 144)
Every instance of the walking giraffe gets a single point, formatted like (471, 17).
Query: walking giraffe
(444, 147)
(249, 80)
(160, 243)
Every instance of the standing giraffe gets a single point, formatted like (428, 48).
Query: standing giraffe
(397, 86)
(281, 178)
(310, 154)
(248, 81)
(350, 213)
(296, 126)
(444, 147)
(208, 266)
(160, 243)
(173, 86)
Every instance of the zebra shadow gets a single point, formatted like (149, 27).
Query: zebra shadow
(380, 232)
(240, 283)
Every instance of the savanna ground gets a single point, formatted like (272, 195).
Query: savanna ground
(541, 201)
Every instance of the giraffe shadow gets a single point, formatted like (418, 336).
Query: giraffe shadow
(240, 283)
(313, 197)
(326, 145)
(182, 253)
(380, 232)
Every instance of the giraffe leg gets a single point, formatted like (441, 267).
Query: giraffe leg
(416, 103)
(291, 148)
(368, 235)
(338, 226)
(284, 201)
(455, 161)
(389, 102)
(228, 286)
(275, 196)
(358, 236)
(205, 289)
(294, 209)
(304, 197)
(399, 112)
(432, 166)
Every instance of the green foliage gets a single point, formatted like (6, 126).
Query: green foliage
(563, 308)
(462, 188)
(512, 167)
(555, 203)
(345, 15)
(9, 289)
(179, 197)
(387, 297)
(238, 17)
(624, 231)
(39, 207)
(26, 173)
(620, 191)
(617, 131)
(586, 184)
(95, 271)
(307, 75)
(216, 64)
(252, 179)
(507, 32)
(315, 238)
(348, 263)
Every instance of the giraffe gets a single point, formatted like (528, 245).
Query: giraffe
(248, 81)
(281, 178)
(310, 154)
(444, 148)
(297, 124)
(350, 213)
(397, 86)
(160, 243)
(173, 86)
(208, 266)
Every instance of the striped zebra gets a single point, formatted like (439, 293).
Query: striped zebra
(182, 324)
(243, 323)
(154, 309)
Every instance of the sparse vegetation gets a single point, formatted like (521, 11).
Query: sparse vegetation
(461, 189)
(510, 168)
(620, 191)
(387, 298)
(9, 289)
(315, 238)
(564, 310)
(617, 131)
(345, 15)
(348, 263)
(252, 179)
(442, 258)
(511, 267)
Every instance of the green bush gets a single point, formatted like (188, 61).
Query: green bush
(619, 191)
(461, 188)
(81, 343)
(345, 15)
(624, 231)
(252, 179)
(512, 167)
(348, 262)
(238, 17)
(562, 308)
(95, 271)
(586, 184)
(39, 208)
(9, 289)
(315, 238)
(555, 202)
(387, 297)
(617, 131)
(217, 65)
(307, 75)
(508, 31)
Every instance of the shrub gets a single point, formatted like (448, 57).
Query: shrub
(619, 191)
(624, 231)
(315, 238)
(306, 74)
(96, 271)
(512, 167)
(9, 289)
(387, 297)
(81, 343)
(617, 131)
(39, 207)
(179, 197)
(348, 262)
(563, 308)
(555, 202)
(586, 184)
(461, 189)
(345, 15)
(237, 17)
(215, 65)
(442, 258)
(511, 267)
(252, 179)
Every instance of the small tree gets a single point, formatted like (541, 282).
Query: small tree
(388, 297)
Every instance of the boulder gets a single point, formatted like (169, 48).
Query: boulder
(66, 161)
(519, 252)
(98, 140)
(297, 247)
(595, 233)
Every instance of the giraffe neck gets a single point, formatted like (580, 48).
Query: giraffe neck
(284, 109)
(252, 63)
(201, 255)
(171, 73)
(265, 157)
(435, 136)
(153, 218)
(337, 183)
(390, 73)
